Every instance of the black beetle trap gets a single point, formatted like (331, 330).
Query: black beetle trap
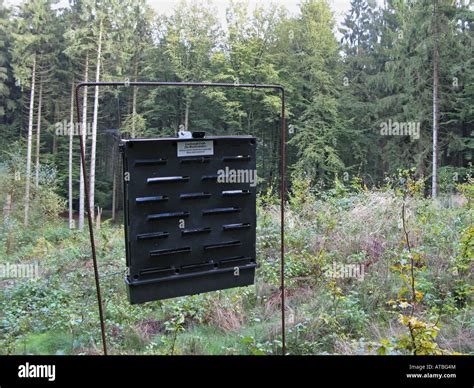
(190, 214)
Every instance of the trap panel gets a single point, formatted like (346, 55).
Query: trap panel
(190, 215)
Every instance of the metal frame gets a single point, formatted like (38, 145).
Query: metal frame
(278, 88)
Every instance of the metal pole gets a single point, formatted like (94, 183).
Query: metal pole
(89, 221)
(282, 219)
(282, 182)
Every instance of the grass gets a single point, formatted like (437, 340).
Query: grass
(57, 313)
(49, 342)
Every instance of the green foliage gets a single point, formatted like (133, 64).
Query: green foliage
(338, 95)
(463, 288)
(301, 193)
(58, 313)
(46, 204)
(409, 266)
(49, 342)
(335, 106)
(134, 126)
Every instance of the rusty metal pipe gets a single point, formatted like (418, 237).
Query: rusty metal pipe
(282, 182)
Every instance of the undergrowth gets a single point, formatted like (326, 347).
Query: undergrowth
(412, 295)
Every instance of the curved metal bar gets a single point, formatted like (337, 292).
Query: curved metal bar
(282, 181)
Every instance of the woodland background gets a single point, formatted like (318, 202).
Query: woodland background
(399, 205)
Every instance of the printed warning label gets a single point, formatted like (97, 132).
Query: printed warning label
(195, 148)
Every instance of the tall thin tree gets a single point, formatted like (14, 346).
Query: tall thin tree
(38, 133)
(29, 141)
(94, 123)
(83, 133)
(70, 170)
(434, 183)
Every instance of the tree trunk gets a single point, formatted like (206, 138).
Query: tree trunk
(6, 215)
(30, 135)
(98, 217)
(94, 125)
(114, 183)
(434, 184)
(38, 133)
(55, 144)
(7, 207)
(71, 137)
(134, 100)
(83, 131)
(186, 113)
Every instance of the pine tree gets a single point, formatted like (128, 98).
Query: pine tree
(31, 40)
(320, 127)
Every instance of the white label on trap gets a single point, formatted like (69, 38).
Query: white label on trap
(195, 148)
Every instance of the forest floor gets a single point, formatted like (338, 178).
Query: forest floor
(369, 311)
